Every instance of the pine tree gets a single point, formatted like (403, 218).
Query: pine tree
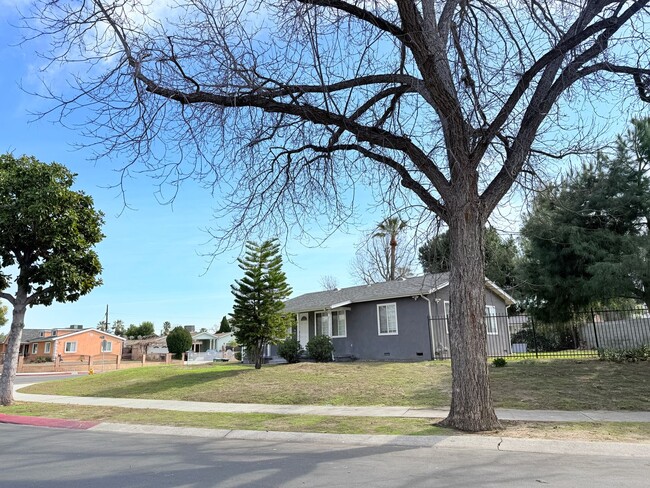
(501, 258)
(257, 316)
(225, 326)
(586, 239)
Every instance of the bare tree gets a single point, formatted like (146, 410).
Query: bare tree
(328, 282)
(285, 107)
(379, 258)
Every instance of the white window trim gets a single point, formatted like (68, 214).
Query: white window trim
(72, 350)
(394, 305)
(345, 323)
(109, 346)
(48, 347)
(35, 348)
(328, 332)
(446, 308)
(491, 318)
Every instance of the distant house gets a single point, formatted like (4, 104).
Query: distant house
(396, 320)
(68, 344)
(156, 346)
(28, 335)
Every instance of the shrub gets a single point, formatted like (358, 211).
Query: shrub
(320, 349)
(179, 340)
(290, 350)
(632, 355)
(499, 362)
(547, 338)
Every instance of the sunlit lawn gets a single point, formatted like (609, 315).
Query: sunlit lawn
(544, 384)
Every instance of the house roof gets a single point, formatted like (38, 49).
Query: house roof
(28, 335)
(418, 285)
(75, 332)
(202, 335)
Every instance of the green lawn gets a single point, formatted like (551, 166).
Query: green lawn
(544, 384)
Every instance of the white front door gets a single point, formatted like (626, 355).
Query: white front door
(303, 329)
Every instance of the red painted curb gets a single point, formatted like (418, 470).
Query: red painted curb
(45, 422)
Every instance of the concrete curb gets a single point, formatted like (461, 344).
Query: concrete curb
(495, 443)
(47, 422)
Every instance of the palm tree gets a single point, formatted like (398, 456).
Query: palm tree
(391, 227)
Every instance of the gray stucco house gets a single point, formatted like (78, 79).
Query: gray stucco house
(397, 320)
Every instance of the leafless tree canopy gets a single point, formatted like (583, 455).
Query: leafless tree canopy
(289, 105)
(328, 282)
(372, 261)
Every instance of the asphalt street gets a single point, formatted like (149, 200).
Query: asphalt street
(56, 458)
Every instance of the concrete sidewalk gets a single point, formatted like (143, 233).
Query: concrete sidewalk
(335, 411)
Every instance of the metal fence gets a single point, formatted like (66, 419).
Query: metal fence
(522, 336)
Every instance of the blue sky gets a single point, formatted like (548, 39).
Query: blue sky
(153, 255)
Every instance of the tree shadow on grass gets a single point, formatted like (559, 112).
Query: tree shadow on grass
(156, 387)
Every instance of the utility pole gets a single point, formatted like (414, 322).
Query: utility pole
(106, 322)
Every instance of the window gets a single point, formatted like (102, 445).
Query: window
(34, 348)
(387, 319)
(48, 346)
(322, 323)
(70, 347)
(491, 320)
(446, 308)
(107, 346)
(338, 324)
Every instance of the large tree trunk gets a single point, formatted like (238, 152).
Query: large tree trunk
(471, 402)
(13, 350)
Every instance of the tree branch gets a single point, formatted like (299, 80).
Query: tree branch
(8, 297)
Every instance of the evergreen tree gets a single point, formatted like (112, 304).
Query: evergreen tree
(118, 328)
(257, 317)
(167, 327)
(501, 258)
(179, 340)
(225, 326)
(586, 239)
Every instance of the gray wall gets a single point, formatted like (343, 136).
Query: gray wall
(413, 340)
(497, 345)
(363, 341)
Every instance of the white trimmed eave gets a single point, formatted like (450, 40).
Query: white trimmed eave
(498, 291)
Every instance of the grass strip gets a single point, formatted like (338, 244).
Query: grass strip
(591, 431)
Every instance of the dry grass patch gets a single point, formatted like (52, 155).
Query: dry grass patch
(540, 384)
(416, 384)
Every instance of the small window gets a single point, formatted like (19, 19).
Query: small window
(322, 323)
(387, 319)
(34, 348)
(491, 320)
(107, 346)
(70, 347)
(339, 328)
(48, 347)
